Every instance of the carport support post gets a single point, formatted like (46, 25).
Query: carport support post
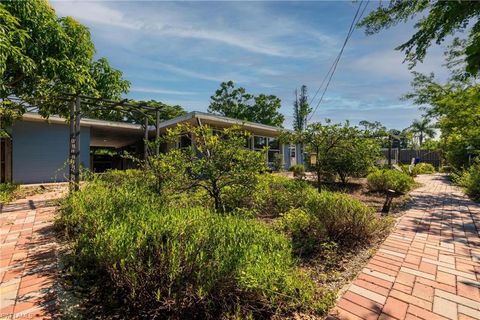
(71, 158)
(145, 143)
(77, 143)
(157, 133)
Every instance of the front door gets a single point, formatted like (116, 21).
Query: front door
(293, 155)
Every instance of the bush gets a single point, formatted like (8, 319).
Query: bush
(423, 168)
(445, 169)
(7, 191)
(382, 180)
(182, 261)
(344, 219)
(298, 170)
(470, 181)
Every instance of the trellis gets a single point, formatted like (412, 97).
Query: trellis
(95, 104)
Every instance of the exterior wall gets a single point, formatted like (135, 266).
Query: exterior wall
(40, 151)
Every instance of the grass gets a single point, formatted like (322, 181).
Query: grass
(7, 192)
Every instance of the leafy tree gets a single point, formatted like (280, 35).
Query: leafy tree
(237, 103)
(422, 129)
(457, 111)
(301, 109)
(215, 161)
(438, 20)
(338, 149)
(43, 56)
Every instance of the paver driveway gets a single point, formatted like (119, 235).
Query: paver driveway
(429, 267)
(28, 258)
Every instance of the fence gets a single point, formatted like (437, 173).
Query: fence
(405, 156)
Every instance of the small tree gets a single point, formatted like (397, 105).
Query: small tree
(217, 160)
(301, 109)
(337, 149)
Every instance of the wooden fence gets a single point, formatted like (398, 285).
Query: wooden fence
(405, 156)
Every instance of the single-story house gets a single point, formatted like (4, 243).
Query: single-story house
(38, 149)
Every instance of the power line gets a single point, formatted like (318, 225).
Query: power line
(333, 67)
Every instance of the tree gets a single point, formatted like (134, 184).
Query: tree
(422, 129)
(457, 111)
(44, 56)
(337, 149)
(301, 109)
(237, 103)
(440, 19)
(216, 160)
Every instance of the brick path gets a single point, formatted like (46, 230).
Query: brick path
(28, 258)
(429, 267)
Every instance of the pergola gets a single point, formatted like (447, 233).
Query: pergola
(100, 104)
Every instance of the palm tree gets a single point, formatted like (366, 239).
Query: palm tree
(423, 129)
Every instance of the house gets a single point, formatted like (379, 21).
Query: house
(38, 149)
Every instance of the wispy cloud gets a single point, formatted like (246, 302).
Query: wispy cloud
(162, 91)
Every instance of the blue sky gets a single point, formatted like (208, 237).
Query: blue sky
(179, 52)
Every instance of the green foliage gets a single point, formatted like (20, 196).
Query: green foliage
(301, 109)
(298, 170)
(470, 180)
(423, 168)
(278, 164)
(385, 179)
(338, 149)
(180, 261)
(7, 191)
(43, 55)
(422, 129)
(439, 20)
(218, 162)
(455, 105)
(344, 219)
(237, 103)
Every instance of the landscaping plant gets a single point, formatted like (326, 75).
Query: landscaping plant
(384, 179)
(182, 261)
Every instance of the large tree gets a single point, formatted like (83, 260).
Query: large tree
(43, 56)
(422, 129)
(237, 103)
(436, 21)
(301, 109)
(455, 106)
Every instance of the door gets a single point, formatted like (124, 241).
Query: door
(293, 155)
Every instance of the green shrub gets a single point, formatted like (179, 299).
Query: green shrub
(298, 170)
(7, 191)
(272, 195)
(382, 180)
(445, 169)
(423, 168)
(470, 180)
(344, 219)
(181, 261)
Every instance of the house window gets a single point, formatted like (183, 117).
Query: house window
(259, 142)
(185, 141)
(273, 149)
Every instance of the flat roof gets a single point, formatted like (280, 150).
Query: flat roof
(209, 117)
(86, 122)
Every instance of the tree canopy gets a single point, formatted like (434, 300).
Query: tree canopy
(236, 103)
(43, 55)
(436, 21)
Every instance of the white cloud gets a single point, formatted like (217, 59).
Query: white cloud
(188, 22)
(161, 91)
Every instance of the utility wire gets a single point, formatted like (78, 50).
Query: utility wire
(333, 67)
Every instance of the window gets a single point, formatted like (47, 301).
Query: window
(273, 150)
(185, 141)
(259, 142)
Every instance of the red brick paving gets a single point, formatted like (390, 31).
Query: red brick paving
(429, 267)
(28, 258)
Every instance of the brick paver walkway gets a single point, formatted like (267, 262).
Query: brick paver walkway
(429, 267)
(28, 258)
